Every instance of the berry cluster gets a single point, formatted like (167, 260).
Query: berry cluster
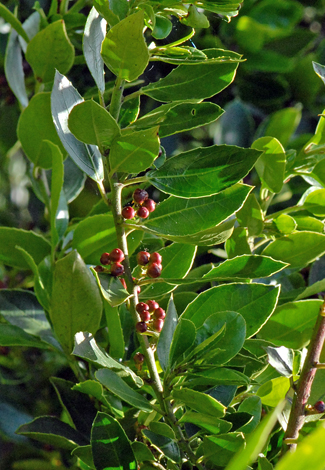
(150, 263)
(142, 205)
(151, 316)
(114, 260)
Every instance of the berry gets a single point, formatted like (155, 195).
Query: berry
(145, 316)
(140, 195)
(138, 358)
(142, 307)
(128, 212)
(152, 304)
(159, 313)
(143, 258)
(116, 255)
(105, 259)
(143, 212)
(154, 270)
(320, 406)
(117, 269)
(158, 324)
(149, 204)
(98, 269)
(141, 327)
(123, 283)
(155, 258)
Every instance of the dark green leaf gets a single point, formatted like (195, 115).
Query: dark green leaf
(129, 112)
(251, 216)
(166, 335)
(112, 289)
(271, 165)
(253, 406)
(10, 18)
(115, 332)
(14, 67)
(59, 208)
(14, 336)
(219, 376)
(110, 445)
(74, 180)
(218, 450)
(166, 445)
(183, 339)
(141, 451)
(237, 244)
(200, 402)
(84, 453)
(95, 31)
(209, 423)
(283, 123)
(163, 27)
(211, 236)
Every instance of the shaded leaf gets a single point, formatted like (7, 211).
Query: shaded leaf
(183, 339)
(200, 402)
(166, 445)
(13, 67)
(166, 335)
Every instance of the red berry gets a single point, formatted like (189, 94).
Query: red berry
(154, 270)
(158, 324)
(117, 269)
(152, 304)
(145, 316)
(149, 204)
(105, 259)
(128, 212)
(140, 195)
(142, 307)
(155, 258)
(320, 406)
(138, 358)
(143, 258)
(159, 313)
(143, 212)
(98, 269)
(141, 327)
(116, 255)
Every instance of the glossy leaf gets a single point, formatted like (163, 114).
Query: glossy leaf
(129, 112)
(11, 335)
(166, 445)
(110, 445)
(181, 217)
(212, 236)
(251, 216)
(58, 206)
(14, 67)
(111, 289)
(203, 171)
(207, 422)
(92, 124)
(271, 165)
(183, 339)
(292, 323)
(255, 302)
(115, 332)
(10, 237)
(166, 335)
(124, 50)
(274, 391)
(10, 18)
(74, 180)
(297, 249)
(63, 98)
(50, 50)
(281, 359)
(173, 118)
(253, 406)
(315, 202)
(134, 152)
(198, 81)
(76, 301)
(200, 402)
(245, 267)
(141, 451)
(118, 387)
(219, 449)
(95, 31)
(31, 26)
(96, 390)
(237, 244)
(285, 223)
(218, 376)
(283, 123)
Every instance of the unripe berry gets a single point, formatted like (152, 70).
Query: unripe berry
(154, 270)
(138, 358)
(105, 259)
(128, 212)
(143, 258)
(142, 307)
(152, 304)
(117, 269)
(158, 324)
(143, 212)
(116, 255)
(140, 195)
(145, 316)
(149, 204)
(155, 258)
(159, 313)
(141, 327)
(320, 406)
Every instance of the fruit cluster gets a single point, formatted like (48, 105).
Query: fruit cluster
(142, 205)
(152, 316)
(150, 263)
(114, 260)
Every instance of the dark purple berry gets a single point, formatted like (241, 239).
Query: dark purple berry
(320, 406)
(116, 255)
(143, 212)
(140, 195)
(143, 258)
(141, 327)
(149, 204)
(117, 269)
(154, 270)
(128, 212)
(105, 259)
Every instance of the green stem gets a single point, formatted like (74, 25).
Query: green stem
(116, 100)
(139, 180)
(79, 5)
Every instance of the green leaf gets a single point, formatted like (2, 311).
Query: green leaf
(92, 124)
(309, 223)
(285, 223)
(203, 171)
(292, 323)
(117, 386)
(50, 50)
(251, 216)
(112, 289)
(134, 152)
(200, 402)
(315, 202)
(84, 453)
(196, 18)
(237, 244)
(173, 118)
(115, 332)
(13, 67)
(129, 112)
(255, 302)
(59, 210)
(283, 123)
(96, 390)
(51, 430)
(11, 335)
(218, 450)
(245, 267)
(298, 249)
(110, 446)
(218, 376)
(104, 8)
(166, 445)
(94, 34)
(10, 237)
(271, 165)
(124, 49)
(183, 339)
(253, 406)
(274, 391)
(212, 236)
(181, 217)
(76, 301)
(207, 422)
(87, 157)
(166, 335)
(319, 70)
(198, 81)
(141, 451)
(10, 18)
(281, 359)
(163, 27)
